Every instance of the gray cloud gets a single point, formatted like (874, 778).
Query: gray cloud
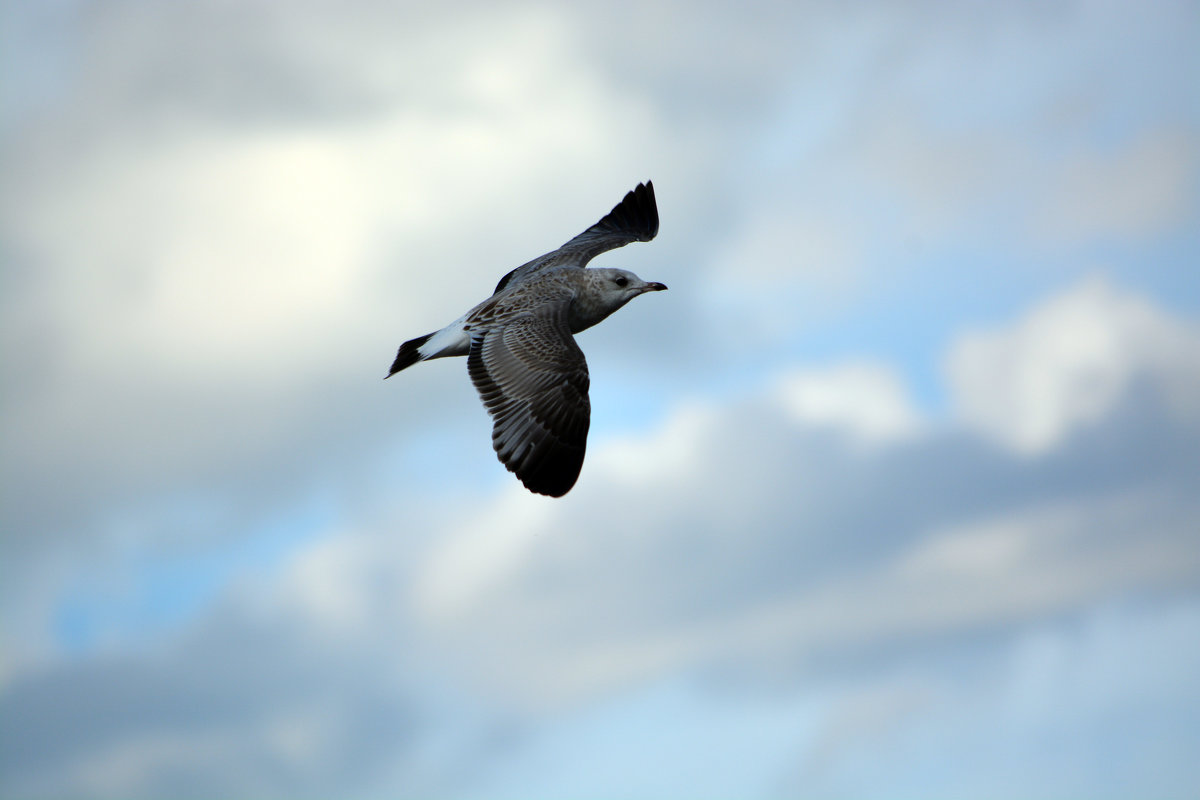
(219, 221)
(222, 219)
(744, 540)
(740, 530)
(277, 712)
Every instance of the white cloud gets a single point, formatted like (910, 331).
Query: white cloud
(866, 400)
(462, 572)
(1069, 363)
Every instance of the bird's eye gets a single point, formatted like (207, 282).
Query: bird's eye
(621, 281)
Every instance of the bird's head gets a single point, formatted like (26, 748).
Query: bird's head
(622, 284)
(608, 290)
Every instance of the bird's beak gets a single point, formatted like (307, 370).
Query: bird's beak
(654, 287)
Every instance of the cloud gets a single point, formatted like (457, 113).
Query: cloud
(219, 221)
(212, 230)
(753, 529)
(1069, 362)
(865, 400)
(195, 292)
(274, 707)
(756, 539)
(1142, 190)
(1030, 716)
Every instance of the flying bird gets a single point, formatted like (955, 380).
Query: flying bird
(521, 351)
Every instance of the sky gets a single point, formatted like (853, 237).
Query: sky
(894, 494)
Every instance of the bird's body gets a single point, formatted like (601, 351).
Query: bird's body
(521, 352)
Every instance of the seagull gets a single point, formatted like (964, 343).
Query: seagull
(521, 351)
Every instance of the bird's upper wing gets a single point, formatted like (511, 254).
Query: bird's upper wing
(533, 379)
(634, 219)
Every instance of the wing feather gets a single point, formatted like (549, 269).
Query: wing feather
(533, 380)
(634, 219)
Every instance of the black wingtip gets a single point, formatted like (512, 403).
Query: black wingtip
(554, 477)
(637, 213)
(408, 354)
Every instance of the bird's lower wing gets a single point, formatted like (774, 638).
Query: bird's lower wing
(533, 380)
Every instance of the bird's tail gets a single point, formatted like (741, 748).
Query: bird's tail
(409, 354)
